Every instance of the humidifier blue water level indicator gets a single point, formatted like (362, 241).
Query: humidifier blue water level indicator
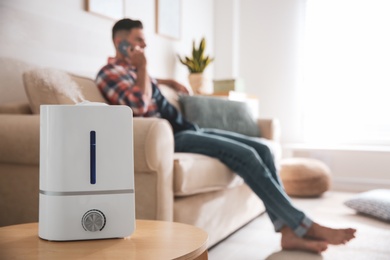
(92, 138)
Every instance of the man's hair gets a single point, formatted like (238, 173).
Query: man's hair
(126, 25)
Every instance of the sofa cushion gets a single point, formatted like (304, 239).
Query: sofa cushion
(15, 108)
(196, 173)
(50, 86)
(211, 112)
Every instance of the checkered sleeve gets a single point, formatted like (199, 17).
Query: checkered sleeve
(118, 87)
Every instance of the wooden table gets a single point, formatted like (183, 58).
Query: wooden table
(151, 240)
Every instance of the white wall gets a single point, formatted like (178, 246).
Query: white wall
(269, 49)
(270, 44)
(227, 38)
(61, 34)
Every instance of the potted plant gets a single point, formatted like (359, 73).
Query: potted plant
(196, 65)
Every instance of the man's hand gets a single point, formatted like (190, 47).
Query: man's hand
(176, 86)
(181, 88)
(137, 57)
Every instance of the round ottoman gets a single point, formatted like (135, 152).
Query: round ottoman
(303, 177)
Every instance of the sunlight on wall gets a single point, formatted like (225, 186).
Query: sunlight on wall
(347, 65)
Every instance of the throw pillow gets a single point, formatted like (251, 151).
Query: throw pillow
(50, 86)
(375, 203)
(211, 112)
(88, 88)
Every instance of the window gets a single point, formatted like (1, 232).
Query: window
(347, 72)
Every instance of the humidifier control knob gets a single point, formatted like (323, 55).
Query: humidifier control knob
(93, 220)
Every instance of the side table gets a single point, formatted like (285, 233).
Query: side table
(151, 240)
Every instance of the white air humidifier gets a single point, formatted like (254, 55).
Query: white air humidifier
(86, 172)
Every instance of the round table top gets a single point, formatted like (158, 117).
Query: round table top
(151, 240)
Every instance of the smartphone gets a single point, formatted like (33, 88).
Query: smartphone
(124, 46)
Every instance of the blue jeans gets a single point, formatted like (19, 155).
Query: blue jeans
(254, 162)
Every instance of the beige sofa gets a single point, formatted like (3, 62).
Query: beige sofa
(169, 186)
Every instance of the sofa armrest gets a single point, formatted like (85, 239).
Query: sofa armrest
(19, 139)
(15, 108)
(269, 128)
(153, 168)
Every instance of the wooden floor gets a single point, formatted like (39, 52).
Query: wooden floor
(257, 240)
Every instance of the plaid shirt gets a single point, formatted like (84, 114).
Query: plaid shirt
(117, 83)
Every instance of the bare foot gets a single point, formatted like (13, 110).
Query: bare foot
(290, 241)
(332, 236)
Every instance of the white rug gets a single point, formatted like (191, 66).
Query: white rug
(258, 241)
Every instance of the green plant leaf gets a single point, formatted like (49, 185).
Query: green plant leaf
(198, 62)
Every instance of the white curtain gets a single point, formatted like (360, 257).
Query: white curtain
(347, 72)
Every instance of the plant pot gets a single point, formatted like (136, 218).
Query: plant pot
(199, 83)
